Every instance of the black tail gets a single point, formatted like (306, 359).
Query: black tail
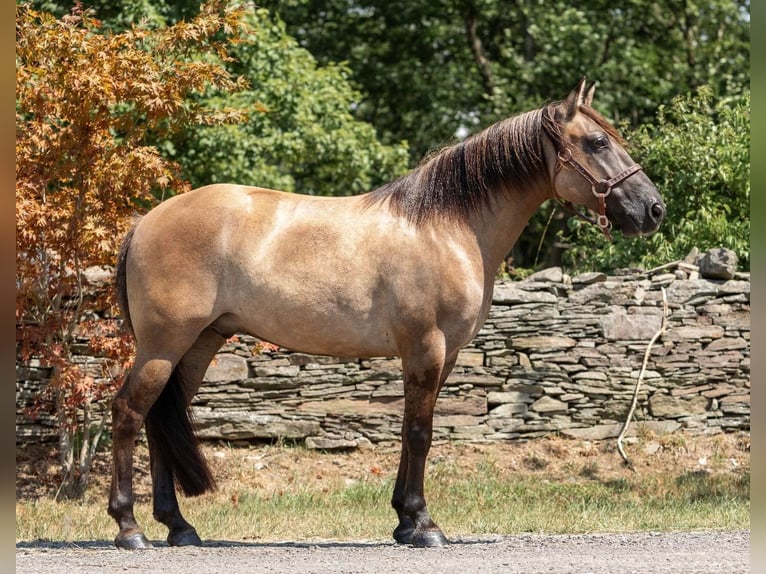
(120, 279)
(172, 439)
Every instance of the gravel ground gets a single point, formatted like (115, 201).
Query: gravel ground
(655, 553)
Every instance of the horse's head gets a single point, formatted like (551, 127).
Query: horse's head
(590, 167)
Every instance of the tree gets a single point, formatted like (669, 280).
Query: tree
(87, 103)
(305, 138)
(427, 68)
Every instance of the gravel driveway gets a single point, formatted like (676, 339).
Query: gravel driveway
(655, 553)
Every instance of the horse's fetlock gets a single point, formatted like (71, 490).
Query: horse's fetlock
(414, 506)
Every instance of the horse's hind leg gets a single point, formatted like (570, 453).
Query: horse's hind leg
(423, 377)
(188, 376)
(129, 409)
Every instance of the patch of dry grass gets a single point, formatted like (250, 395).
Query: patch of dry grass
(273, 492)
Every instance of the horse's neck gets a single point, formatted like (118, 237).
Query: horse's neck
(498, 226)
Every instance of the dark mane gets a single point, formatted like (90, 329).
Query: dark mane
(460, 180)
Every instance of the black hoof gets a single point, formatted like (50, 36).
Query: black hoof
(431, 538)
(132, 541)
(184, 538)
(403, 534)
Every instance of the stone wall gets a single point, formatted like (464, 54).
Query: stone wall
(556, 355)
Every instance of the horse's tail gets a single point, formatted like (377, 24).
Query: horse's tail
(168, 424)
(120, 279)
(172, 440)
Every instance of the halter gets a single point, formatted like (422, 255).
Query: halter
(601, 188)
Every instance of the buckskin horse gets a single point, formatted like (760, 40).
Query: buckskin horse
(406, 270)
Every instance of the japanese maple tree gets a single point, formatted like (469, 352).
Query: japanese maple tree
(88, 105)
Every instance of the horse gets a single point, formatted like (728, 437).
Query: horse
(406, 270)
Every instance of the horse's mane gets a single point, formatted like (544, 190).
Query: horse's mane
(459, 180)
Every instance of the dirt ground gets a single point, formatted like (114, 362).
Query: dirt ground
(269, 467)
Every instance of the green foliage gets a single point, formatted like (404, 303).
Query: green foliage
(428, 68)
(304, 136)
(425, 66)
(698, 155)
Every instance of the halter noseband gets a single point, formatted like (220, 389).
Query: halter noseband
(601, 188)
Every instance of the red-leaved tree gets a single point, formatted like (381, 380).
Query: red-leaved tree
(88, 105)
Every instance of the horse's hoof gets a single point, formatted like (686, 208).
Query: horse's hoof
(184, 538)
(430, 538)
(134, 541)
(403, 534)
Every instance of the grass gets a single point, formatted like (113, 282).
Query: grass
(564, 492)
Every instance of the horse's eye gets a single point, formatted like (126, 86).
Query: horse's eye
(598, 141)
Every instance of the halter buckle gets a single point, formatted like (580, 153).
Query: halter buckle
(604, 184)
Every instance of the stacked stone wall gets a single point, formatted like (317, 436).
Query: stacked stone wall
(557, 354)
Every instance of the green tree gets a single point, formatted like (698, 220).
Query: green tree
(305, 137)
(427, 65)
(429, 68)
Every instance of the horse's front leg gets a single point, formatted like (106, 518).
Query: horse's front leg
(422, 381)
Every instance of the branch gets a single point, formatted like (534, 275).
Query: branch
(477, 50)
(657, 335)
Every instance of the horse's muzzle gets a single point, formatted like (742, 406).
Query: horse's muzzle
(639, 220)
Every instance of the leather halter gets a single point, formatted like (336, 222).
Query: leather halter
(601, 188)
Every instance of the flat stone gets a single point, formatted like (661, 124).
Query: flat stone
(664, 406)
(98, 275)
(511, 294)
(735, 287)
(245, 425)
(382, 406)
(590, 375)
(540, 342)
(499, 398)
(456, 421)
(727, 344)
(466, 405)
(680, 292)
(613, 430)
(548, 404)
(694, 332)
(226, 367)
(620, 327)
(589, 278)
(508, 410)
(277, 371)
(551, 274)
(324, 443)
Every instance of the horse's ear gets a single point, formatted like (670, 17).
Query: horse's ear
(589, 94)
(575, 98)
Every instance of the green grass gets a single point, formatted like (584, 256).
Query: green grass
(464, 502)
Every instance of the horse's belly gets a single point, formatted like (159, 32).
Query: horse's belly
(320, 329)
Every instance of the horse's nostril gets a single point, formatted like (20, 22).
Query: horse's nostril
(657, 211)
